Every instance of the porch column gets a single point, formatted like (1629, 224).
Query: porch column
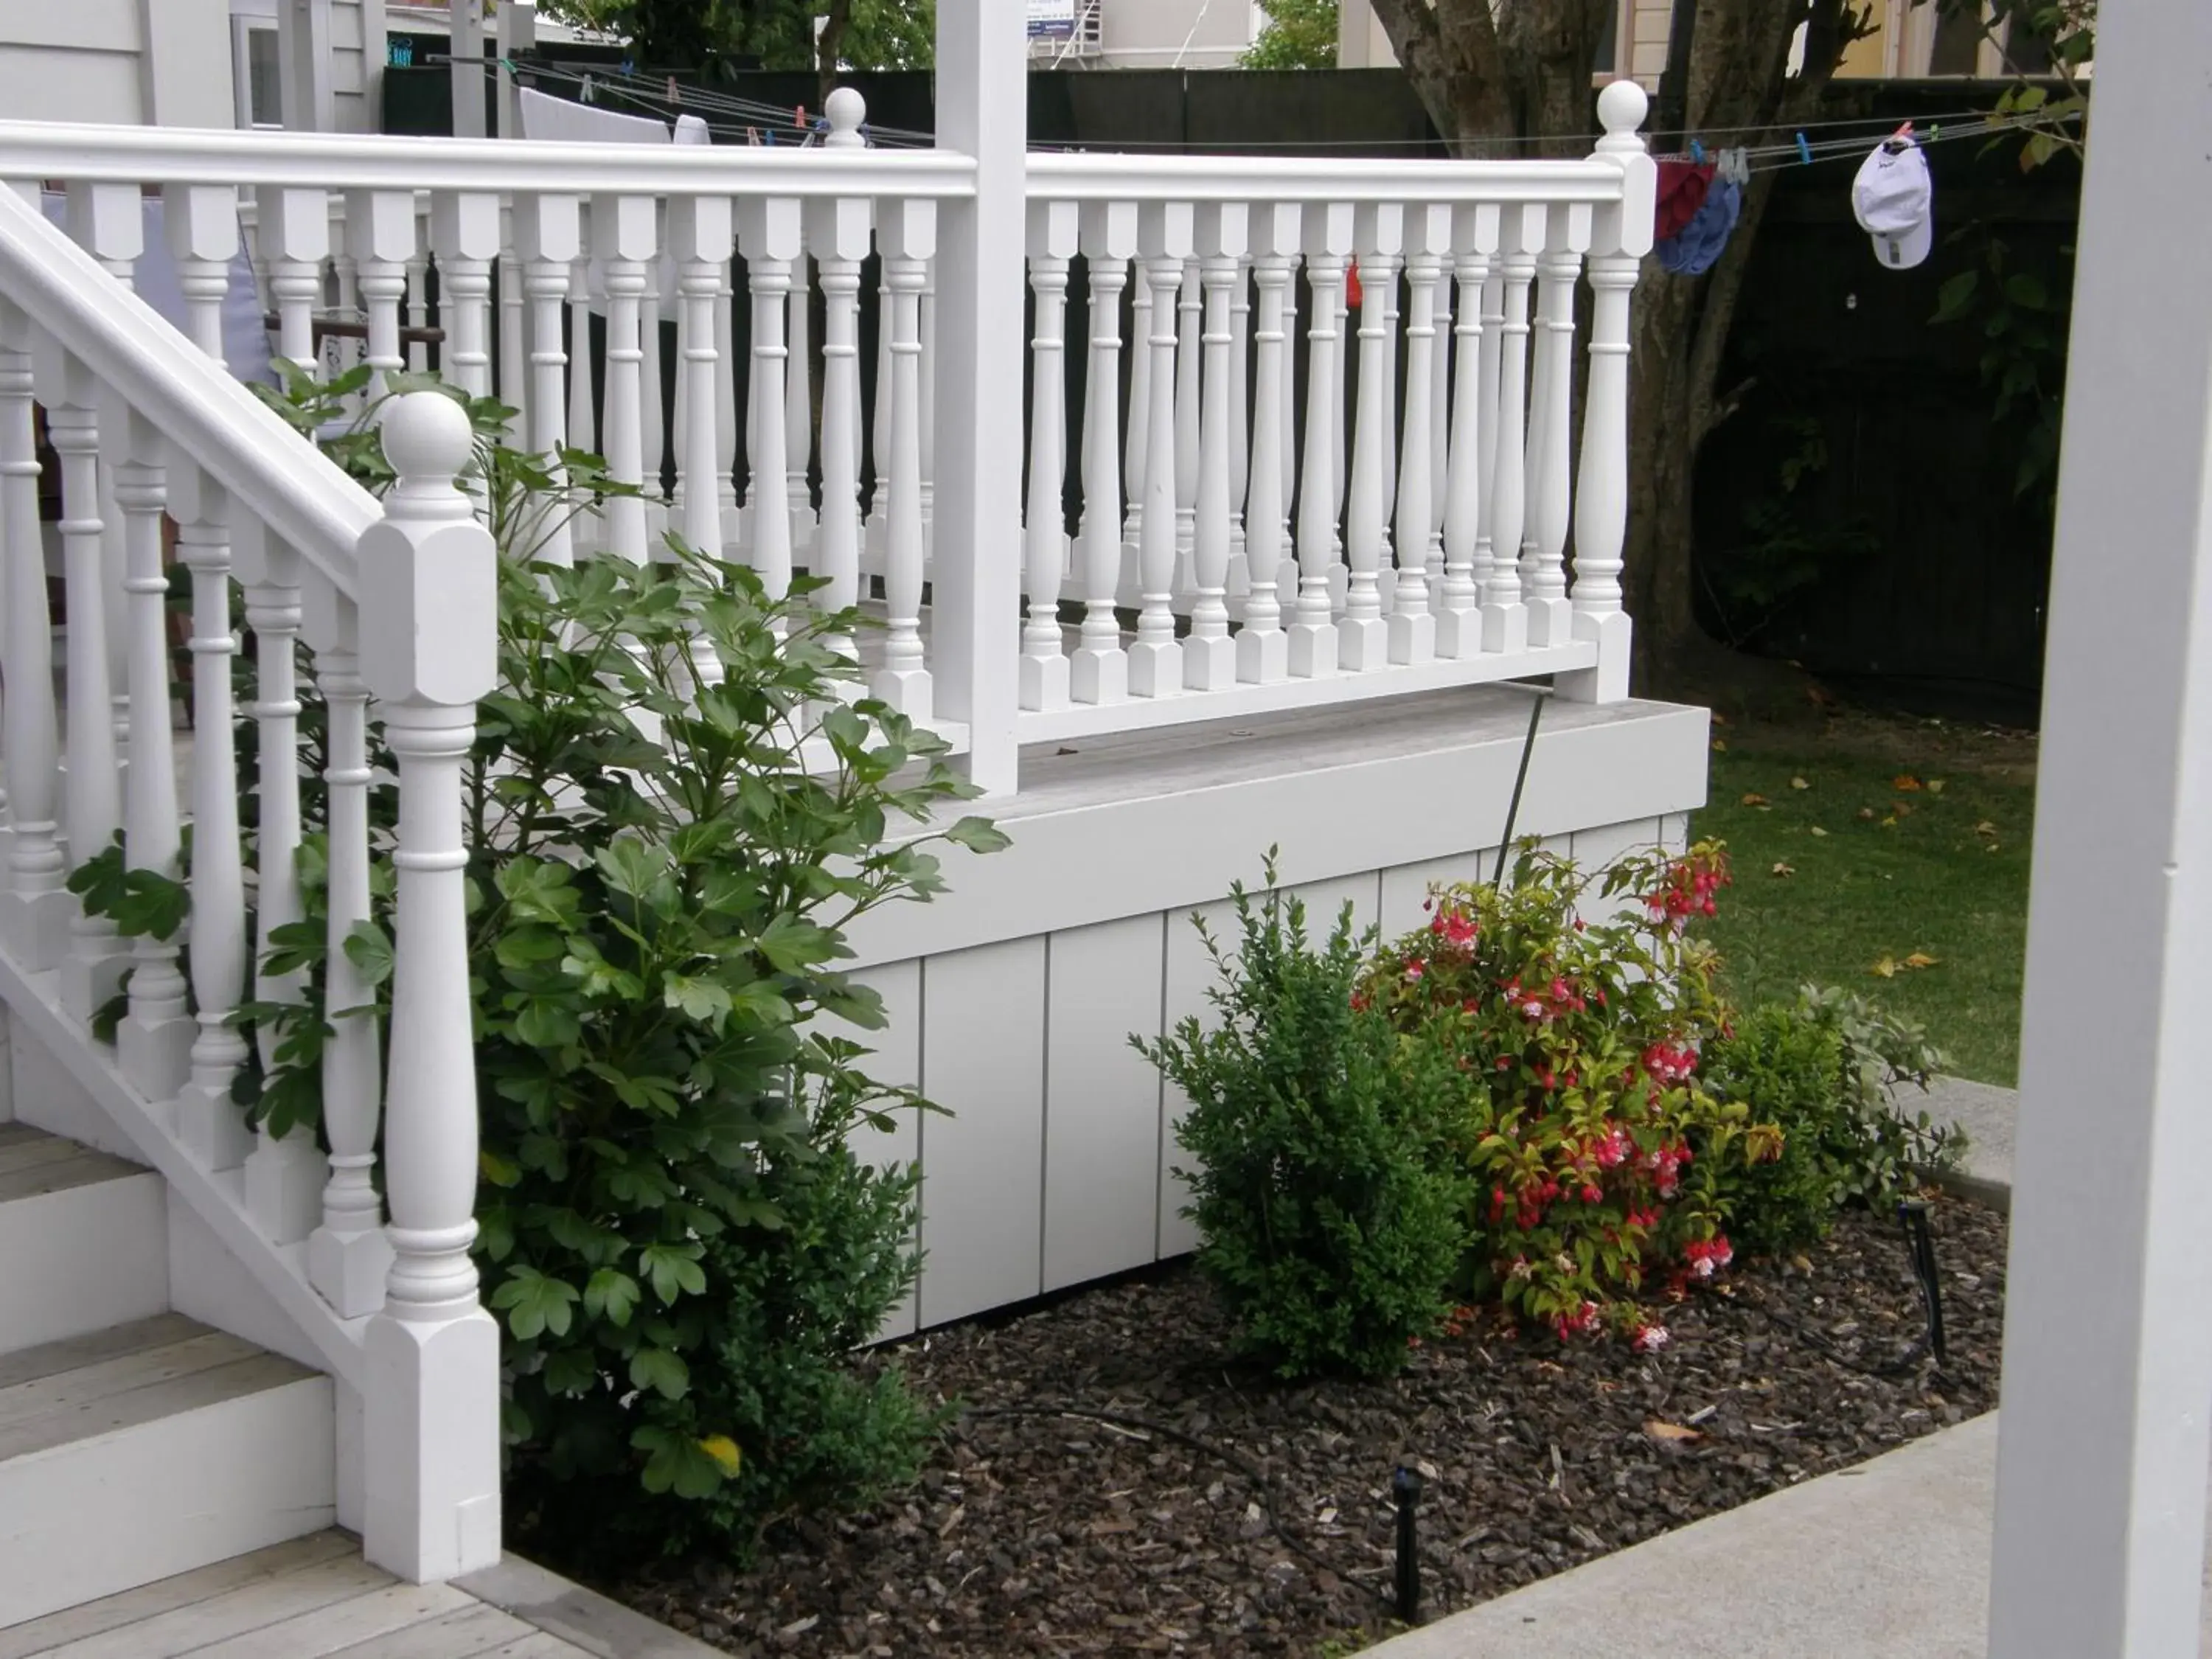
(467, 47)
(982, 111)
(2108, 1351)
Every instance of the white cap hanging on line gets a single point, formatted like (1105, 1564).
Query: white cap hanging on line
(1895, 201)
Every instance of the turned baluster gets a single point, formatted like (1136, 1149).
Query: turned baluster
(464, 235)
(1505, 618)
(1551, 502)
(799, 404)
(549, 240)
(906, 235)
(769, 231)
(1164, 230)
(839, 231)
(294, 236)
(201, 224)
(1363, 641)
(622, 233)
(1328, 230)
(1099, 670)
(1262, 647)
(1209, 656)
(700, 234)
(1413, 623)
(1459, 607)
(35, 906)
(1044, 666)
(1189, 309)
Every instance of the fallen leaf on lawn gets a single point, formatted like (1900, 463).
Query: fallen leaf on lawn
(1920, 959)
(1663, 1431)
(1934, 786)
(1719, 747)
(1901, 808)
(1986, 827)
(1866, 811)
(1817, 830)
(1905, 781)
(1720, 718)
(1991, 848)
(1886, 969)
(1799, 783)
(1890, 823)
(1754, 800)
(1785, 870)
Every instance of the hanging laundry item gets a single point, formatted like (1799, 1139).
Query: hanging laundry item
(246, 350)
(545, 117)
(1682, 187)
(1894, 200)
(1693, 250)
(691, 129)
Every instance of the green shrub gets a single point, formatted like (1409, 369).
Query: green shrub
(1330, 1219)
(680, 1248)
(1575, 1046)
(1826, 1068)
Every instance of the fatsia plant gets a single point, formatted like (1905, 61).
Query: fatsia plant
(679, 799)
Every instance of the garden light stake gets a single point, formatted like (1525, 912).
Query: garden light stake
(1406, 1486)
(1914, 1215)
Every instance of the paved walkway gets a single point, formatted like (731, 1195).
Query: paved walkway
(1888, 1560)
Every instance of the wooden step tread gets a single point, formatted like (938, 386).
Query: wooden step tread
(124, 1378)
(35, 1163)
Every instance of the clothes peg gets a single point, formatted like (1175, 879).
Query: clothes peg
(675, 92)
(1698, 151)
(1900, 140)
(1804, 150)
(590, 90)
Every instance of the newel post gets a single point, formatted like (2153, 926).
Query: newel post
(982, 111)
(428, 612)
(1619, 240)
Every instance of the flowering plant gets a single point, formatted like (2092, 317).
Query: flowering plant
(1578, 1008)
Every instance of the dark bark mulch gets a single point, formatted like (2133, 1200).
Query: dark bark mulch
(1040, 1531)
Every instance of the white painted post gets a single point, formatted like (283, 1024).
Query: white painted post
(1209, 656)
(1164, 233)
(516, 23)
(725, 406)
(35, 908)
(623, 236)
(1363, 639)
(1100, 672)
(348, 1256)
(1413, 627)
(982, 111)
(466, 34)
(1488, 363)
(547, 235)
(798, 403)
(1240, 420)
(1328, 229)
(2101, 1454)
(906, 233)
(700, 234)
(1459, 613)
(295, 235)
(284, 1174)
(839, 230)
(1621, 238)
(768, 229)
(1440, 424)
(877, 529)
(430, 1392)
(209, 1123)
(95, 963)
(1505, 618)
(1140, 417)
(1551, 618)
(583, 411)
(464, 235)
(380, 237)
(1263, 654)
(652, 415)
(108, 220)
(514, 368)
(1044, 671)
(154, 1042)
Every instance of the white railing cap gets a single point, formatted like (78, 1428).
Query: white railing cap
(193, 156)
(296, 490)
(1096, 176)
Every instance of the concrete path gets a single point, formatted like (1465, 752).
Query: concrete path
(1889, 1561)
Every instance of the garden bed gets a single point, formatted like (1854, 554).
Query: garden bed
(1214, 1511)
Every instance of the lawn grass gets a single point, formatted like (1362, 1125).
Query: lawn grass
(1840, 868)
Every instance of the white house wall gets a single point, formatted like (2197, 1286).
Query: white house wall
(1175, 34)
(133, 62)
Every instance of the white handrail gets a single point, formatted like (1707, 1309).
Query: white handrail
(1073, 176)
(294, 489)
(118, 155)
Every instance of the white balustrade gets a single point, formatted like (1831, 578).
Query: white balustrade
(623, 238)
(701, 232)
(548, 234)
(201, 224)
(1363, 639)
(1551, 496)
(1314, 644)
(799, 404)
(418, 306)
(1044, 669)
(1412, 626)
(770, 234)
(1459, 605)
(841, 231)
(1240, 432)
(583, 409)
(1505, 618)
(653, 424)
(464, 235)
(294, 231)
(906, 235)
(1140, 417)
(1189, 322)
(1098, 673)
(381, 240)
(1262, 647)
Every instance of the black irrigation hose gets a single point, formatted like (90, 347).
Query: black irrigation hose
(1262, 1488)
(1920, 1246)
(1542, 695)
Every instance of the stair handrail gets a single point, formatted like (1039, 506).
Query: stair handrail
(292, 487)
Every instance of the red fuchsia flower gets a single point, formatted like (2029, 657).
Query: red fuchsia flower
(1706, 1257)
(1591, 1193)
(1412, 971)
(1521, 1269)
(1453, 927)
(1497, 1201)
(1544, 1077)
(1571, 1325)
(1649, 1339)
(1358, 1002)
(1504, 1062)
(1614, 1150)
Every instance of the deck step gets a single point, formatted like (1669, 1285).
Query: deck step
(86, 1238)
(149, 1448)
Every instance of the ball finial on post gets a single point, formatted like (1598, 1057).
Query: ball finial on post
(846, 110)
(1622, 108)
(426, 437)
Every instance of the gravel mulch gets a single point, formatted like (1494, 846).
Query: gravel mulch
(1037, 1531)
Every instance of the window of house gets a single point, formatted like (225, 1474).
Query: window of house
(263, 98)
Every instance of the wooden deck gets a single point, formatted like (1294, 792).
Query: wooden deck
(315, 1598)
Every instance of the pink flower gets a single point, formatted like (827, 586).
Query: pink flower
(1649, 1339)
(1412, 971)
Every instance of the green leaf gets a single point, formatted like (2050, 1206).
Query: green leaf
(675, 1462)
(657, 1368)
(1956, 297)
(369, 949)
(610, 1295)
(978, 835)
(674, 1269)
(535, 1303)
